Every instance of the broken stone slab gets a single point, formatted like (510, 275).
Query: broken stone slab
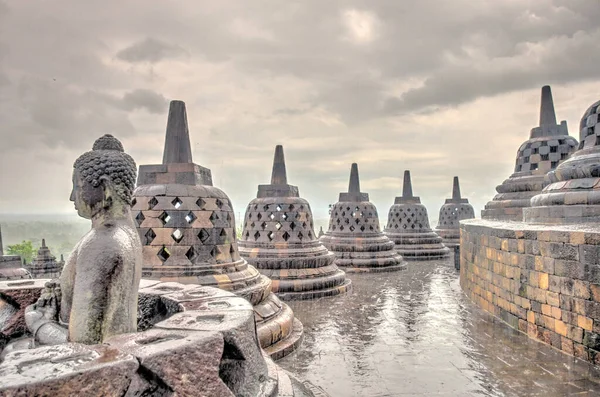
(67, 370)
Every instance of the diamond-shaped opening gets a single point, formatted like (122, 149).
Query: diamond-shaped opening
(272, 216)
(300, 235)
(284, 216)
(362, 228)
(278, 208)
(304, 225)
(357, 221)
(301, 207)
(190, 217)
(278, 226)
(247, 235)
(291, 207)
(266, 207)
(133, 201)
(203, 235)
(297, 216)
(292, 225)
(228, 218)
(223, 233)
(309, 234)
(177, 235)
(164, 217)
(351, 228)
(332, 227)
(219, 203)
(271, 236)
(213, 216)
(140, 218)
(255, 207)
(200, 203)
(371, 227)
(213, 252)
(176, 203)
(232, 249)
(263, 225)
(252, 225)
(191, 254)
(163, 254)
(259, 216)
(152, 203)
(285, 236)
(256, 236)
(149, 237)
(342, 227)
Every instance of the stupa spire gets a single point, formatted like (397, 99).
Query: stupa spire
(43, 243)
(407, 191)
(279, 174)
(177, 141)
(456, 189)
(547, 114)
(1, 246)
(354, 185)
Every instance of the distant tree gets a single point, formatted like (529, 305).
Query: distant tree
(25, 250)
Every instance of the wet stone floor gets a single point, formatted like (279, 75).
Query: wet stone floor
(414, 333)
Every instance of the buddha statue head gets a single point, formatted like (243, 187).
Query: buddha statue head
(103, 179)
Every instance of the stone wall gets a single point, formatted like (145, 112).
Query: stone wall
(542, 280)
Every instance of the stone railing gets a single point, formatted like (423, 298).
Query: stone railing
(542, 280)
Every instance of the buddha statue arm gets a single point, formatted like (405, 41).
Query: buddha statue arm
(97, 266)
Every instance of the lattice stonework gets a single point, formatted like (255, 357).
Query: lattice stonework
(409, 218)
(277, 222)
(354, 218)
(540, 155)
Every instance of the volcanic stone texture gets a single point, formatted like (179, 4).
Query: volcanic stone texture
(45, 265)
(354, 235)
(452, 212)
(408, 227)
(547, 147)
(187, 229)
(279, 239)
(204, 345)
(542, 280)
(573, 195)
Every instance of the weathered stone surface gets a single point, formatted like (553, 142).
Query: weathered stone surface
(354, 235)
(67, 370)
(573, 194)
(548, 146)
(15, 296)
(11, 266)
(278, 238)
(408, 227)
(187, 228)
(451, 213)
(550, 293)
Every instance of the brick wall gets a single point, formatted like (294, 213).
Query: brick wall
(541, 280)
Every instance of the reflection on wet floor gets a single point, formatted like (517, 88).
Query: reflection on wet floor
(414, 332)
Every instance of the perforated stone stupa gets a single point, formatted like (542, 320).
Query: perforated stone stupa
(547, 147)
(573, 195)
(45, 265)
(11, 266)
(354, 235)
(279, 239)
(452, 212)
(408, 227)
(187, 228)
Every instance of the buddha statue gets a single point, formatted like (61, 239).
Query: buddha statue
(96, 296)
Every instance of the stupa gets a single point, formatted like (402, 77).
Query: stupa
(45, 264)
(187, 228)
(452, 212)
(408, 227)
(279, 239)
(548, 145)
(11, 266)
(573, 195)
(354, 234)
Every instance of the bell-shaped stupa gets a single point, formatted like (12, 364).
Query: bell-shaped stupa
(408, 227)
(187, 228)
(547, 147)
(45, 265)
(573, 195)
(354, 235)
(279, 239)
(453, 211)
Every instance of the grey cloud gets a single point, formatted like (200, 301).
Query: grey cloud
(150, 50)
(145, 99)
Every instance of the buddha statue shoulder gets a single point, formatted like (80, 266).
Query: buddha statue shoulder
(97, 294)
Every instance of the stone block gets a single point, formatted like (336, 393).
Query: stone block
(585, 322)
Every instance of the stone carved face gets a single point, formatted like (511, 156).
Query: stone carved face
(90, 200)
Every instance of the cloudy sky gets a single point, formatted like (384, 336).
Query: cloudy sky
(442, 88)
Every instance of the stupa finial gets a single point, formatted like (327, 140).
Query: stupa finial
(43, 243)
(177, 142)
(279, 174)
(456, 189)
(354, 186)
(547, 114)
(1, 246)
(407, 191)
